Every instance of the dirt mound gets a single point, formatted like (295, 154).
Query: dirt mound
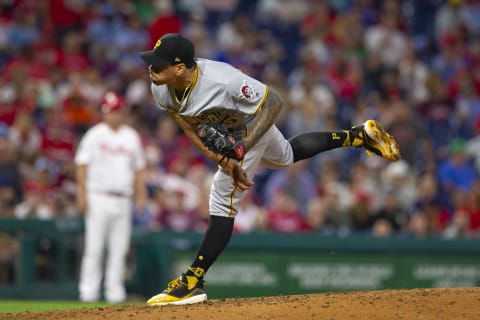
(453, 303)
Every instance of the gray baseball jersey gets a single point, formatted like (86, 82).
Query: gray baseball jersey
(222, 93)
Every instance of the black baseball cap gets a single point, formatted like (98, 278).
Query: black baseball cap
(170, 49)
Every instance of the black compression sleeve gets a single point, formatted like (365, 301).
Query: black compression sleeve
(216, 238)
(306, 145)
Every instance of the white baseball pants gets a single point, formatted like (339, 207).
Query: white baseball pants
(107, 226)
(272, 150)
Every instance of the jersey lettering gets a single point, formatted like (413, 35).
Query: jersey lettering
(114, 150)
(217, 116)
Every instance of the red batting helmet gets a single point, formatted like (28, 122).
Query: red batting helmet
(112, 102)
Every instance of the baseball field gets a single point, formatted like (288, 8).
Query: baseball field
(421, 304)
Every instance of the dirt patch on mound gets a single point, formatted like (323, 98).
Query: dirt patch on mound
(435, 304)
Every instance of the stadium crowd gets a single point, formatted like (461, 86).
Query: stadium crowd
(412, 65)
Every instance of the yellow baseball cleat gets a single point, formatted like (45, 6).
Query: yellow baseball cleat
(180, 291)
(374, 138)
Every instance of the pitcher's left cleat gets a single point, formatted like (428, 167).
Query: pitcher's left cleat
(374, 138)
(180, 291)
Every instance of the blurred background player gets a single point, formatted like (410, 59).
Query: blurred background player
(110, 162)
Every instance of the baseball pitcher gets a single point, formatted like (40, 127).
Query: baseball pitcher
(230, 117)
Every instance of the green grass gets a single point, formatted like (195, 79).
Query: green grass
(46, 305)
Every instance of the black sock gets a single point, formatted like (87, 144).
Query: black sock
(216, 238)
(306, 145)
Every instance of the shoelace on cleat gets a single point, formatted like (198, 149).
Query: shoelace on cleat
(197, 271)
(175, 283)
(357, 132)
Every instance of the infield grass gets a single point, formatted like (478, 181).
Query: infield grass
(46, 305)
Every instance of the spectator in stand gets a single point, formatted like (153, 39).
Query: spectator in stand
(195, 29)
(92, 87)
(435, 117)
(391, 212)
(413, 77)
(27, 97)
(156, 204)
(472, 148)
(401, 180)
(296, 181)
(387, 40)
(5, 24)
(166, 137)
(201, 176)
(335, 196)
(362, 213)
(466, 216)
(363, 183)
(284, 214)
(390, 88)
(449, 16)
(456, 174)
(411, 134)
(448, 60)
(136, 93)
(429, 212)
(10, 174)
(8, 110)
(106, 26)
(174, 215)
(185, 157)
(419, 226)
(47, 49)
(58, 143)
(72, 57)
(130, 41)
(25, 65)
(23, 31)
(26, 138)
(344, 76)
(146, 10)
(65, 16)
(318, 216)
(467, 109)
(35, 204)
(8, 202)
(372, 75)
(166, 21)
(41, 184)
(315, 25)
(382, 228)
(79, 113)
(182, 186)
(64, 195)
(313, 101)
(153, 170)
(235, 39)
(251, 216)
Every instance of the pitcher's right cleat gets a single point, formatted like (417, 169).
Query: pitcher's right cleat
(180, 291)
(374, 138)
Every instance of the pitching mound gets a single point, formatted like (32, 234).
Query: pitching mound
(435, 304)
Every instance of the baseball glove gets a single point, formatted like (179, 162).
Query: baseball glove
(217, 138)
